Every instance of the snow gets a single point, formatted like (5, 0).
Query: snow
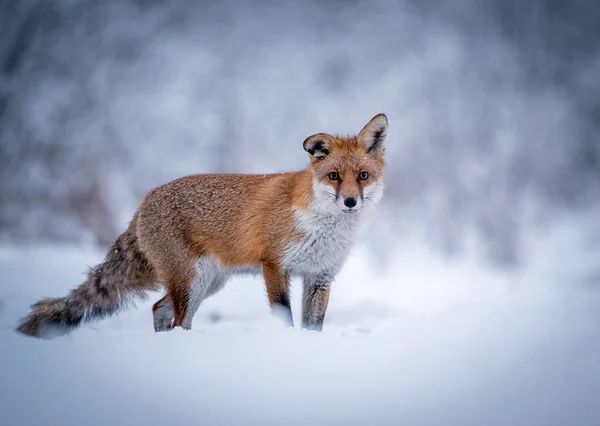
(423, 341)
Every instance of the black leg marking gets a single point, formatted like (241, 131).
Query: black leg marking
(315, 298)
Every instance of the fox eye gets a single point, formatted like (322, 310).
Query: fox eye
(363, 176)
(334, 176)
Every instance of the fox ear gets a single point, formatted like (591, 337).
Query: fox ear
(374, 135)
(317, 145)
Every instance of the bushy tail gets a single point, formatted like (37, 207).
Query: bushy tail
(124, 274)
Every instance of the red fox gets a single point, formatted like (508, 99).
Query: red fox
(192, 234)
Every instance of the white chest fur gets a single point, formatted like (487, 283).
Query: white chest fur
(325, 243)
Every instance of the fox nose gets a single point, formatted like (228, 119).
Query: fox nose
(350, 202)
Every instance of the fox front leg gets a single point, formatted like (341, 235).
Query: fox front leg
(278, 290)
(315, 298)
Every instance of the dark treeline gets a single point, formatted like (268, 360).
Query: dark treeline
(494, 106)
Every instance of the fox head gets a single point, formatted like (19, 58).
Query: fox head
(348, 171)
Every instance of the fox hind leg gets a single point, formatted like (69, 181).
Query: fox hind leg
(185, 293)
(162, 312)
(175, 266)
(209, 279)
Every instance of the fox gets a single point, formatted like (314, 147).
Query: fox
(189, 236)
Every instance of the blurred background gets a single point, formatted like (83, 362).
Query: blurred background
(494, 108)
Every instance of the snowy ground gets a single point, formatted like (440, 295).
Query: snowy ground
(425, 342)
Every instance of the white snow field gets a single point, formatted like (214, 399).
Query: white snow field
(424, 342)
